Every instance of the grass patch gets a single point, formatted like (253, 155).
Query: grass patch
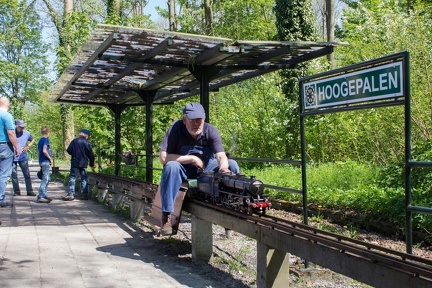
(61, 177)
(235, 261)
(121, 210)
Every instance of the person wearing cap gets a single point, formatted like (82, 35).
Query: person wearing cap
(45, 162)
(81, 152)
(8, 143)
(189, 147)
(23, 136)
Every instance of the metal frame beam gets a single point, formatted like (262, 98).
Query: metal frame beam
(96, 55)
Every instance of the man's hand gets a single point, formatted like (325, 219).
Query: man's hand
(224, 170)
(197, 162)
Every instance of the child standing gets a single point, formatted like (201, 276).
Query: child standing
(45, 162)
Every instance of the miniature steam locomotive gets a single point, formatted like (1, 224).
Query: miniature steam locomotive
(234, 191)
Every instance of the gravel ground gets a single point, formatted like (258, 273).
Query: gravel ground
(236, 256)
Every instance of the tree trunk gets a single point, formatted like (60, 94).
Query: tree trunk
(68, 126)
(330, 28)
(171, 10)
(68, 8)
(208, 17)
(66, 112)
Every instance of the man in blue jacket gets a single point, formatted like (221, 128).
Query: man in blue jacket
(81, 152)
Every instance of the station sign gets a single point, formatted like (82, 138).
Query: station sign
(369, 84)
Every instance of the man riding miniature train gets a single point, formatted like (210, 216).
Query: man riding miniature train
(189, 147)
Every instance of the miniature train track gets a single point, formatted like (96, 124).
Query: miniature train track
(412, 266)
(148, 189)
(405, 263)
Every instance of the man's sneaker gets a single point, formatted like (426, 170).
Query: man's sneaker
(84, 197)
(17, 193)
(49, 199)
(31, 194)
(68, 198)
(166, 229)
(4, 204)
(43, 200)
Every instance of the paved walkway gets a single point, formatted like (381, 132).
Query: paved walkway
(82, 244)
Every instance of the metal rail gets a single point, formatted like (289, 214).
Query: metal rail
(404, 262)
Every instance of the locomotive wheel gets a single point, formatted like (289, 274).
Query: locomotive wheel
(224, 200)
(249, 210)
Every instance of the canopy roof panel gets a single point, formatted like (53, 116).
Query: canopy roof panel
(118, 65)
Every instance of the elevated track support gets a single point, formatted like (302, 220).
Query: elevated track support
(277, 238)
(359, 266)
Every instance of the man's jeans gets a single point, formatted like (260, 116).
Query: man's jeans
(26, 172)
(6, 159)
(174, 173)
(45, 179)
(84, 183)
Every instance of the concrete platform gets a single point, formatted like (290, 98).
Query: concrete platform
(82, 244)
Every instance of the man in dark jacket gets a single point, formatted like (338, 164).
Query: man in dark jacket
(81, 152)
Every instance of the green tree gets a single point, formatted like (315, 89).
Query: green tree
(67, 24)
(244, 20)
(251, 117)
(294, 22)
(374, 30)
(45, 113)
(73, 21)
(22, 55)
(237, 19)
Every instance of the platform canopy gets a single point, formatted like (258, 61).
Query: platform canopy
(119, 65)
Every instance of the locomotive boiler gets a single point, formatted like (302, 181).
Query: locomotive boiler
(234, 191)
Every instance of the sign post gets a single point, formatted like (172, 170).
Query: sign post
(375, 83)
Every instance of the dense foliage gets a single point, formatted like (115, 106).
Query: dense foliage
(23, 60)
(295, 22)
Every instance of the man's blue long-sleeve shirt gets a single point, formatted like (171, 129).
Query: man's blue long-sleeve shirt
(82, 152)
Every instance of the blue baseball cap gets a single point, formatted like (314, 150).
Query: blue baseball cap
(85, 131)
(20, 123)
(194, 110)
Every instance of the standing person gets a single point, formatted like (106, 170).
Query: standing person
(81, 152)
(45, 162)
(190, 146)
(23, 136)
(8, 142)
